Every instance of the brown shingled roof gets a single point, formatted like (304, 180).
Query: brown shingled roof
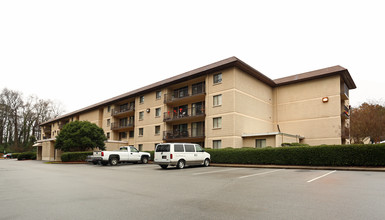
(214, 67)
(316, 74)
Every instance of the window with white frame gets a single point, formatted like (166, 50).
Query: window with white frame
(158, 94)
(217, 122)
(217, 78)
(141, 115)
(260, 143)
(108, 122)
(157, 112)
(141, 99)
(140, 131)
(217, 100)
(217, 144)
(157, 130)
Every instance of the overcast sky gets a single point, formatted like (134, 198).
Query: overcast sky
(83, 52)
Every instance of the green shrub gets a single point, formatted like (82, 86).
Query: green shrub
(333, 155)
(15, 155)
(25, 156)
(75, 156)
(152, 155)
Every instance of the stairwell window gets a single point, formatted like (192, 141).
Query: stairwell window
(217, 122)
(217, 144)
(141, 116)
(141, 99)
(157, 130)
(140, 132)
(217, 100)
(217, 78)
(260, 143)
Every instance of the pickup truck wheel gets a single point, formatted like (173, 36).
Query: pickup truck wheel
(114, 161)
(206, 163)
(144, 160)
(181, 164)
(164, 166)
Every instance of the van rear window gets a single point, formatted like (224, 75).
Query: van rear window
(163, 148)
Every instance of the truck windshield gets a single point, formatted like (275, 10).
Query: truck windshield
(163, 148)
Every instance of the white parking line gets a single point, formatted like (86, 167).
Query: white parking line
(321, 176)
(257, 174)
(212, 172)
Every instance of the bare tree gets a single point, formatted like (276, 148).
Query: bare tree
(368, 120)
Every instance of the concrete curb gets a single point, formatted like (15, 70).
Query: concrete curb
(379, 169)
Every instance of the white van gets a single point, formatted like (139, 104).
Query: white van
(180, 155)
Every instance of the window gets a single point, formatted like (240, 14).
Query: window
(140, 131)
(131, 134)
(108, 108)
(189, 148)
(217, 78)
(217, 100)
(217, 144)
(108, 135)
(141, 115)
(259, 143)
(140, 146)
(198, 88)
(141, 99)
(158, 94)
(157, 130)
(157, 112)
(217, 122)
(133, 149)
(199, 148)
(122, 135)
(108, 122)
(178, 148)
(163, 148)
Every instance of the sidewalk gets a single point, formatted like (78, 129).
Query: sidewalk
(379, 169)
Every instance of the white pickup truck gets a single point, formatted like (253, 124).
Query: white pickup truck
(125, 154)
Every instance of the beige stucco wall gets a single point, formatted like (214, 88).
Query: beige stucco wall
(299, 110)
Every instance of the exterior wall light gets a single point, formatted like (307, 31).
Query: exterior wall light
(325, 99)
(148, 110)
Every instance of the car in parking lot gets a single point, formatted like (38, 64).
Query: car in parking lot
(7, 156)
(180, 155)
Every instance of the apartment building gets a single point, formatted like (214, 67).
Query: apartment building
(224, 104)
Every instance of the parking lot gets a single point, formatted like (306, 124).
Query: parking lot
(35, 190)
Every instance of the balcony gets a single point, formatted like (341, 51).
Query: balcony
(345, 133)
(186, 114)
(344, 92)
(47, 129)
(121, 112)
(122, 125)
(183, 96)
(345, 113)
(184, 136)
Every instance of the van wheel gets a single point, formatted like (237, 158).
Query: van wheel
(207, 162)
(164, 166)
(144, 160)
(181, 164)
(114, 161)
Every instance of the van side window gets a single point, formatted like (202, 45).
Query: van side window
(199, 148)
(163, 148)
(178, 148)
(189, 148)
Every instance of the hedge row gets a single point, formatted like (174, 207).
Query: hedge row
(333, 155)
(75, 156)
(25, 156)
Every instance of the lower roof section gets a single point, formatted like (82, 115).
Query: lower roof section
(272, 134)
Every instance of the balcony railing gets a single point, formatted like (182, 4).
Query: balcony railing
(186, 134)
(345, 92)
(121, 111)
(121, 125)
(183, 114)
(183, 94)
(345, 113)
